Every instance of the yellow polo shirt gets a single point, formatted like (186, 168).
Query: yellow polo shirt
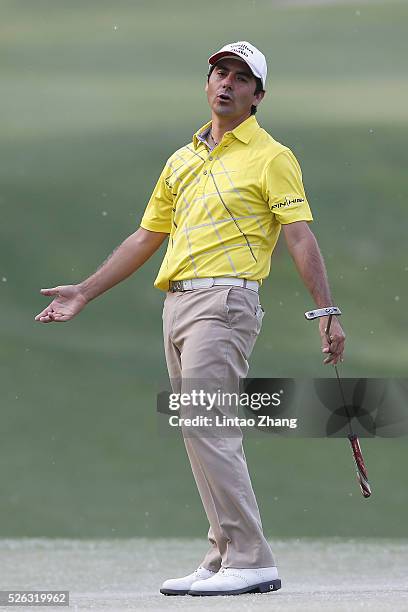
(223, 208)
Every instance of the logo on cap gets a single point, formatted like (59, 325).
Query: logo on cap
(241, 48)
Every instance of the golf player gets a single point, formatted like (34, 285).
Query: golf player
(221, 201)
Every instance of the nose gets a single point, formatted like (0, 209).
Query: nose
(228, 81)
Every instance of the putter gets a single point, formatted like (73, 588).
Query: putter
(353, 438)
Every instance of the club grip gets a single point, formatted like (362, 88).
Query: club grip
(360, 465)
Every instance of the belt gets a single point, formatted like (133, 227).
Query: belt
(206, 283)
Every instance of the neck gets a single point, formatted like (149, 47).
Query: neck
(220, 125)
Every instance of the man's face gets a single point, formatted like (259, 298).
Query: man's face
(230, 89)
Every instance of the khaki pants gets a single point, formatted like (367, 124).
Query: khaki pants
(209, 335)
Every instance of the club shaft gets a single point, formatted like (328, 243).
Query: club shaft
(343, 398)
(353, 439)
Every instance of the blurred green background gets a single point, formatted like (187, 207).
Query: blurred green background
(95, 95)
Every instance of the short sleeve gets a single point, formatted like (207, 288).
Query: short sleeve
(158, 213)
(283, 189)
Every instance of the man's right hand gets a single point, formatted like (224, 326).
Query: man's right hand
(126, 259)
(68, 302)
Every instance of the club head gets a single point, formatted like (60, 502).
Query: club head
(322, 312)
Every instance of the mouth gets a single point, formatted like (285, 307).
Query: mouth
(223, 97)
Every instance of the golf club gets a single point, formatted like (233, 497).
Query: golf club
(353, 438)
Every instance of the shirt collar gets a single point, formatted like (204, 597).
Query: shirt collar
(243, 132)
(201, 134)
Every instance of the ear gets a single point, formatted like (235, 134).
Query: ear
(258, 98)
(206, 86)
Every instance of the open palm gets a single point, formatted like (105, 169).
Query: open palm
(69, 301)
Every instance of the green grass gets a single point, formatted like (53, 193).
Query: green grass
(126, 574)
(90, 114)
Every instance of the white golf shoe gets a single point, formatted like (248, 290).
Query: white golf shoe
(232, 581)
(181, 586)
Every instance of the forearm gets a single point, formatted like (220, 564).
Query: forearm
(310, 265)
(124, 261)
(305, 251)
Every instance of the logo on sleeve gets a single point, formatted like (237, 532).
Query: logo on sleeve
(287, 202)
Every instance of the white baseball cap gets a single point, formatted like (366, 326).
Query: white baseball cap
(246, 52)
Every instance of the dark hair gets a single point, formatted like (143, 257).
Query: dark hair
(258, 87)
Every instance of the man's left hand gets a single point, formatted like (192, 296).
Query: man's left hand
(333, 346)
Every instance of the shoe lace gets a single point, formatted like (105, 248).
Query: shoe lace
(197, 571)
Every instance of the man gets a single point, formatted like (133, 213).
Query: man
(222, 201)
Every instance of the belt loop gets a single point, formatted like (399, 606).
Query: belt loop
(245, 283)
